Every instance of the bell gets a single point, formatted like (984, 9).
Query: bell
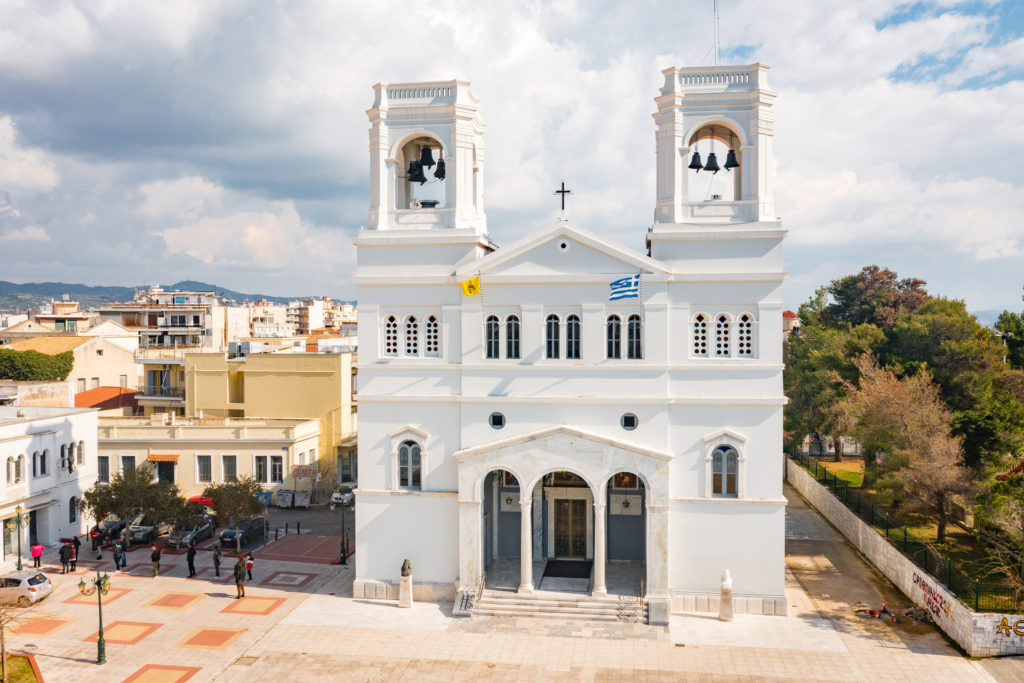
(415, 173)
(439, 171)
(426, 157)
(695, 162)
(730, 161)
(712, 164)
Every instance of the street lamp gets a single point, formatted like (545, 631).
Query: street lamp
(344, 535)
(18, 522)
(100, 586)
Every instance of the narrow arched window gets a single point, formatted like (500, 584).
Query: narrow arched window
(613, 336)
(634, 338)
(73, 510)
(80, 458)
(745, 335)
(391, 336)
(19, 468)
(572, 337)
(35, 464)
(700, 336)
(432, 332)
(724, 464)
(512, 337)
(552, 342)
(64, 456)
(722, 335)
(409, 465)
(492, 344)
(10, 470)
(412, 336)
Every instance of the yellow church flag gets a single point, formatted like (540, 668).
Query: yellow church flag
(471, 287)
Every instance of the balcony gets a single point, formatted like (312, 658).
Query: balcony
(161, 392)
(157, 354)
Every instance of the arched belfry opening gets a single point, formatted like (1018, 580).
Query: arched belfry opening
(421, 171)
(714, 162)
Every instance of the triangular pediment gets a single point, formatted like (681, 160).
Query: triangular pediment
(555, 439)
(562, 249)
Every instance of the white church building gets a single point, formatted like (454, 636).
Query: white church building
(575, 405)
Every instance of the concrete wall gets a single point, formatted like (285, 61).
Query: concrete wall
(39, 394)
(978, 633)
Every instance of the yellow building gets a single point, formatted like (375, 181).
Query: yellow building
(195, 453)
(290, 385)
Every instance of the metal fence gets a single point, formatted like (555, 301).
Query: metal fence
(979, 596)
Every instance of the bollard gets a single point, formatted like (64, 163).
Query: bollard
(276, 531)
(286, 528)
(298, 527)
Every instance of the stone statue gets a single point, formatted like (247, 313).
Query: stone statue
(405, 586)
(407, 568)
(725, 608)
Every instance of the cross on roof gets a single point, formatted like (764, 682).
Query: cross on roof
(563, 192)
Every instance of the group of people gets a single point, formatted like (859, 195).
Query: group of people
(68, 555)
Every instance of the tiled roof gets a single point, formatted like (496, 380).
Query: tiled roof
(789, 314)
(163, 457)
(105, 398)
(50, 345)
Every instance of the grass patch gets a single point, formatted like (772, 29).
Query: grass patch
(19, 670)
(849, 471)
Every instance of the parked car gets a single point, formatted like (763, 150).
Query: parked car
(250, 529)
(24, 588)
(111, 526)
(144, 529)
(191, 533)
(345, 495)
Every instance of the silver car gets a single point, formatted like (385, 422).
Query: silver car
(24, 588)
(191, 533)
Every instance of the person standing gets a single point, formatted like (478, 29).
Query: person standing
(37, 554)
(249, 562)
(239, 572)
(65, 557)
(216, 561)
(155, 557)
(190, 557)
(73, 556)
(124, 552)
(117, 557)
(77, 543)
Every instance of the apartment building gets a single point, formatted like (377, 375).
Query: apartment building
(268, 320)
(63, 316)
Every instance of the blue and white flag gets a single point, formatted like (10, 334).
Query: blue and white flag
(625, 288)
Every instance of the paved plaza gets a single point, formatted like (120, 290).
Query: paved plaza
(299, 622)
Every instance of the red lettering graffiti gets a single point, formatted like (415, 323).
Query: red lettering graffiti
(933, 600)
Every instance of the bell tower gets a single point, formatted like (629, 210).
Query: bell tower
(708, 117)
(426, 158)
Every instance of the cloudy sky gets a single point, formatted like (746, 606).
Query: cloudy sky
(226, 141)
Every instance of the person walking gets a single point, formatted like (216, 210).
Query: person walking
(118, 554)
(239, 572)
(37, 554)
(155, 557)
(190, 557)
(249, 562)
(65, 557)
(73, 558)
(216, 561)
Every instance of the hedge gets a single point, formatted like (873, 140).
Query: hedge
(34, 366)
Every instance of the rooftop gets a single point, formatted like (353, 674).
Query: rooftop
(50, 345)
(106, 398)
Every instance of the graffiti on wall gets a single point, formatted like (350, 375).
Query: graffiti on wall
(933, 600)
(1004, 628)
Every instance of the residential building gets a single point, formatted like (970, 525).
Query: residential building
(115, 333)
(110, 401)
(299, 385)
(194, 453)
(790, 322)
(63, 316)
(25, 329)
(98, 362)
(566, 400)
(307, 314)
(269, 320)
(49, 457)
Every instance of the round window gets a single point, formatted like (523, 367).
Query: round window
(563, 245)
(629, 421)
(497, 420)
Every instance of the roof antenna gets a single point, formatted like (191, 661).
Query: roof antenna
(716, 33)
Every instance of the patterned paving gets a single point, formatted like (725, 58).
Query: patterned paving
(124, 632)
(287, 579)
(172, 600)
(163, 673)
(253, 605)
(208, 638)
(114, 594)
(41, 626)
(144, 570)
(303, 548)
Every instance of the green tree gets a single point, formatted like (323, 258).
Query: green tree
(1011, 328)
(873, 296)
(129, 493)
(236, 501)
(182, 513)
(1000, 511)
(34, 366)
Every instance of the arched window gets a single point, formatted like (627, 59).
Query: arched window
(613, 336)
(745, 335)
(634, 338)
(80, 456)
(724, 463)
(700, 336)
(492, 344)
(391, 336)
(572, 337)
(73, 510)
(10, 470)
(35, 464)
(433, 336)
(551, 332)
(409, 465)
(64, 456)
(71, 457)
(722, 335)
(512, 337)
(412, 336)
(19, 468)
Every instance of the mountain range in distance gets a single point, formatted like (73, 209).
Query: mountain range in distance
(15, 297)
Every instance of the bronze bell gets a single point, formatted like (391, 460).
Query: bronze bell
(730, 161)
(712, 164)
(695, 162)
(415, 173)
(426, 157)
(439, 171)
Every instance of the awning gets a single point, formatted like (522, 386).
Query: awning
(163, 457)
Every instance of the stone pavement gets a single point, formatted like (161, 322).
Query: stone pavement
(299, 622)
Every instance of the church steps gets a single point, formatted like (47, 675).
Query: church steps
(586, 608)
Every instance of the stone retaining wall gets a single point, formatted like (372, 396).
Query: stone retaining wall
(980, 634)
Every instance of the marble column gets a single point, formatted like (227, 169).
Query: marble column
(658, 599)
(525, 547)
(470, 560)
(600, 549)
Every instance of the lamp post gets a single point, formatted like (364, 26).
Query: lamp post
(100, 586)
(344, 535)
(18, 522)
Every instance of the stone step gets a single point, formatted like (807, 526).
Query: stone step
(548, 606)
(553, 607)
(560, 604)
(560, 616)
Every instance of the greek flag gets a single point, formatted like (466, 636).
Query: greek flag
(625, 288)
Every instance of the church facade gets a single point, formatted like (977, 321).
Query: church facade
(564, 398)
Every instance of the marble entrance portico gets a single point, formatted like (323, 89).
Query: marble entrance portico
(593, 458)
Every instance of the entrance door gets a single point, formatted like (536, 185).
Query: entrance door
(165, 472)
(570, 528)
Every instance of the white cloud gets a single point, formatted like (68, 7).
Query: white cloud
(30, 233)
(23, 170)
(186, 198)
(989, 61)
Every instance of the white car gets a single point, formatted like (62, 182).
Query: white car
(24, 587)
(345, 495)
